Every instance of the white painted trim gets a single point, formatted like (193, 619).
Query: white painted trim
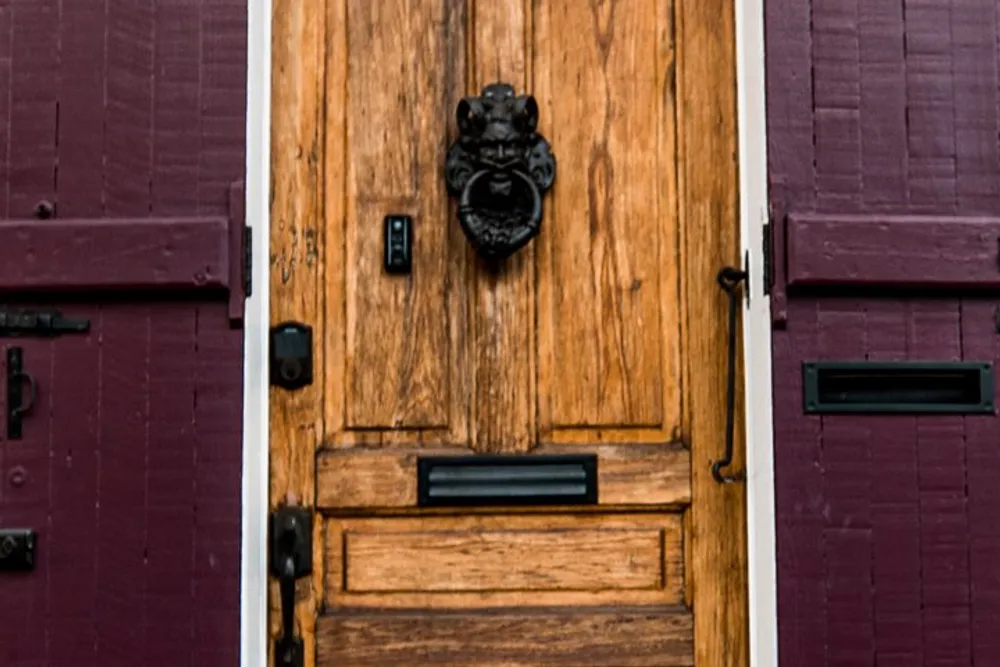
(253, 546)
(757, 336)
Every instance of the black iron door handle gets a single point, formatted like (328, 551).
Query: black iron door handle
(18, 404)
(291, 559)
(729, 279)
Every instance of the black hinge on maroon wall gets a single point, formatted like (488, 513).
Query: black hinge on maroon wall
(767, 255)
(240, 254)
(247, 261)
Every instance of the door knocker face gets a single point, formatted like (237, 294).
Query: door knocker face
(499, 169)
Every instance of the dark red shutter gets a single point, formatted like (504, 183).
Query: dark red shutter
(885, 188)
(121, 165)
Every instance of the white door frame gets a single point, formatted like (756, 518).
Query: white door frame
(756, 352)
(761, 536)
(256, 323)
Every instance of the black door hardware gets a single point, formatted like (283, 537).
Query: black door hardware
(499, 168)
(291, 559)
(291, 355)
(17, 550)
(18, 404)
(462, 481)
(42, 323)
(898, 387)
(729, 279)
(398, 243)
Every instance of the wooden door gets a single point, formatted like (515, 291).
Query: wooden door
(606, 334)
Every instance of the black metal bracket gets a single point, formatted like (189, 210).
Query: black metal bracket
(729, 279)
(44, 323)
(291, 559)
(291, 355)
(499, 169)
(17, 550)
(18, 404)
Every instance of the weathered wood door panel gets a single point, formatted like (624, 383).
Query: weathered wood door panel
(605, 335)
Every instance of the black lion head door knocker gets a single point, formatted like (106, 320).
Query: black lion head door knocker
(499, 169)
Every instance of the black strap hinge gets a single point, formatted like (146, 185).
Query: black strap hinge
(767, 251)
(247, 261)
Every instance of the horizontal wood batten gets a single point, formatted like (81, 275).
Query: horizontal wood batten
(491, 638)
(116, 254)
(893, 251)
(635, 474)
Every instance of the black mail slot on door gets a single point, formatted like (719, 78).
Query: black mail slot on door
(914, 387)
(464, 481)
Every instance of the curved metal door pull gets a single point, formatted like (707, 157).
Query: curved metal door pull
(499, 168)
(17, 403)
(729, 278)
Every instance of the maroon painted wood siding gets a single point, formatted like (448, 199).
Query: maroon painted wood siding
(885, 188)
(128, 116)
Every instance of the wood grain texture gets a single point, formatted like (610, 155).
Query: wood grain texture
(708, 193)
(579, 343)
(587, 638)
(503, 331)
(505, 560)
(848, 251)
(396, 370)
(609, 320)
(626, 475)
(299, 34)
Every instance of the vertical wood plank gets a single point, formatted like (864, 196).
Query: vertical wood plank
(706, 61)
(124, 417)
(836, 97)
(980, 343)
(608, 316)
(177, 137)
(883, 156)
(128, 115)
(977, 123)
(6, 81)
(503, 313)
(935, 331)
(846, 487)
(217, 495)
(222, 96)
(33, 119)
(393, 83)
(75, 414)
(802, 594)
(895, 509)
(299, 33)
(172, 512)
(930, 100)
(80, 177)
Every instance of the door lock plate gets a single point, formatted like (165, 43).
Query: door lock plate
(17, 550)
